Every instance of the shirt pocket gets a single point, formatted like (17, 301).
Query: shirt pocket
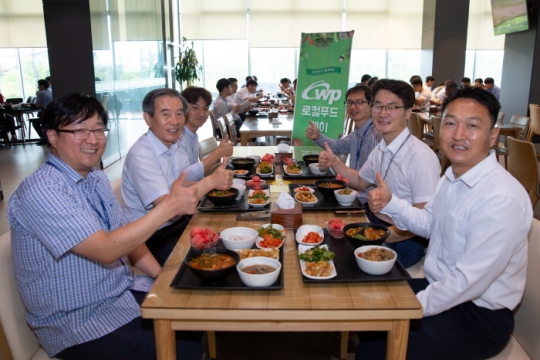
(453, 238)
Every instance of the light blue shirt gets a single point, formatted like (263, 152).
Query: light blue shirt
(149, 171)
(69, 299)
(189, 150)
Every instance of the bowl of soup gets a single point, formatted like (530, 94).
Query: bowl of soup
(222, 197)
(311, 159)
(327, 186)
(258, 271)
(213, 264)
(242, 163)
(375, 260)
(360, 234)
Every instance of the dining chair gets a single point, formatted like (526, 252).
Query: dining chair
(523, 165)
(436, 123)
(522, 122)
(231, 129)
(524, 343)
(17, 340)
(222, 124)
(215, 126)
(206, 147)
(414, 126)
(14, 100)
(534, 125)
(500, 118)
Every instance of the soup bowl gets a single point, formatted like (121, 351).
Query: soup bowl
(328, 191)
(218, 200)
(212, 274)
(360, 240)
(258, 280)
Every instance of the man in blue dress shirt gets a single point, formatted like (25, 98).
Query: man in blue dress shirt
(73, 249)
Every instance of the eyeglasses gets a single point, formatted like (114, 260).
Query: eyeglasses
(358, 103)
(83, 134)
(390, 109)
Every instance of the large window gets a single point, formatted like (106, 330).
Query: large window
(20, 69)
(273, 64)
(483, 64)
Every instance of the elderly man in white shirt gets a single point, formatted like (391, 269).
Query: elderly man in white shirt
(478, 223)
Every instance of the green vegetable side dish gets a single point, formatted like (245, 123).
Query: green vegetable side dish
(265, 169)
(317, 254)
(276, 233)
(259, 196)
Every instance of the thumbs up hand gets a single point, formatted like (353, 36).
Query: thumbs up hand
(379, 197)
(222, 178)
(312, 131)
(184, 197)
(327, 158)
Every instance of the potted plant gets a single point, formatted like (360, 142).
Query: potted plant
(187, 68)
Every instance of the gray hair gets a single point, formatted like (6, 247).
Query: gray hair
(149, 101)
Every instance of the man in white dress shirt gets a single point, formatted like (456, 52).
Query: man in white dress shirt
(477, 223)
(409, 166)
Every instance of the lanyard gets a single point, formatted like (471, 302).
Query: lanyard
(361, 141)
(392, 158)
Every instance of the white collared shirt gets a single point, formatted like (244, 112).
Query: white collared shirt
(478, 226)
(412, 175)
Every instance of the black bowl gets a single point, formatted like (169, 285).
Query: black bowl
(358, 242)
(253, 112)
(222, 200)
(243, 163)
(214, 274)
(310, 159)
(329, 192)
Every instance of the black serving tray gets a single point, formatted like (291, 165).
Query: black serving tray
(235, 206)
(186, 279)
(325, 204)
(346, 267)
(306, 173)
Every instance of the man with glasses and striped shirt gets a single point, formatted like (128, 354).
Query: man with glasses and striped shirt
(406, 164)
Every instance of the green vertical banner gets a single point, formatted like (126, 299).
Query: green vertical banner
(323, 77)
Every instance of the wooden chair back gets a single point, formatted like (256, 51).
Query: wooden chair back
(522, 122)
(231, 127)
(436, 122)
(500, 118)
(522, 164)
(215, 126)
(534, 125)
(206, 147)
(414, 126)
(222, 123)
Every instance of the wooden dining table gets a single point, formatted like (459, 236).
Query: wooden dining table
(254, 127)
(298, 306)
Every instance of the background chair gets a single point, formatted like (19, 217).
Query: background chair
(522, 164)
(14, 100)
(522, 122)
(534, 125)
(215, 126)
(414, 126)
(205, 148)
(500, 118)
(17, 340)
(222, 125)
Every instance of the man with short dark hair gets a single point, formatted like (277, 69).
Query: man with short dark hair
(429, 82)
(476, 264)
(249, 93)
(155, 161)
(422, 94)
(479, 83)
(72, 246)
(365, 78)
(43, 97)
(465, 82)
(450, 87)
(222, 105)
(492, 88)
(408, 165)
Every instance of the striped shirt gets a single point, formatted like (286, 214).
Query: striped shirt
(358, 145)
(69, 299)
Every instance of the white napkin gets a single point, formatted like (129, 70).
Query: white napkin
(285, 201)
(283, 148)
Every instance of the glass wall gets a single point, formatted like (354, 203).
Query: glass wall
(128, 63)
(483, 64)
(20, 69)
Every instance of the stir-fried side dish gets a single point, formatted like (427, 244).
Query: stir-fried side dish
(258, 269)
(320, 269)
(346, 191)
(305, 196)
(258, 197)
(330, 185)
(312, 238)
(377, 254)
(247, 253)
(265, 168)
(294, 169)
(272, 237)
(221, 193)
(317, 253)
(367, 233)
(240, 172)
(302, 189)
(212, 261)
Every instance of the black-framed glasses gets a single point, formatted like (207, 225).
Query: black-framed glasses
(390, 109)
(358, 103)
(83, 134)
